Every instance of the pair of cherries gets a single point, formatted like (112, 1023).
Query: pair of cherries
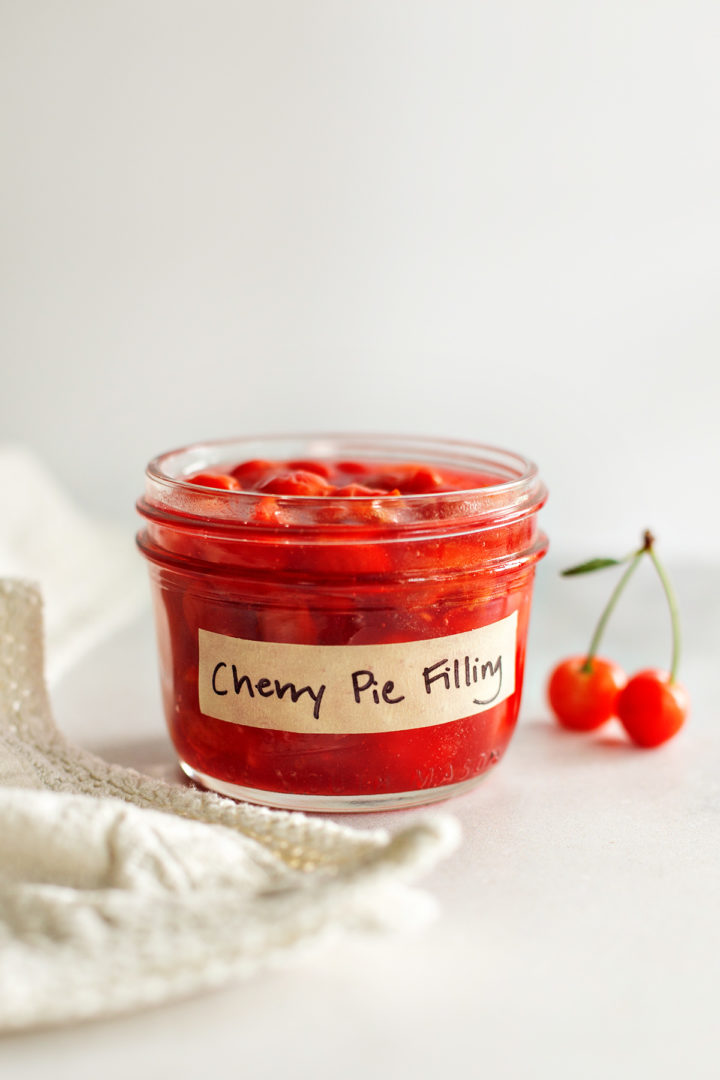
(586, 691)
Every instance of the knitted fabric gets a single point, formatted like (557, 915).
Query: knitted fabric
(118, 891)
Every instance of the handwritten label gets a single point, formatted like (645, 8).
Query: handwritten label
(356, 688)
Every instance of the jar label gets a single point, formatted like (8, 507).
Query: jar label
(348, 689)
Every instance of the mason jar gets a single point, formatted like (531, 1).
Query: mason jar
(341, 620)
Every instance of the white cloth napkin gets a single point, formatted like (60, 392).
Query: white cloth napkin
(118, 891)
(91, 577)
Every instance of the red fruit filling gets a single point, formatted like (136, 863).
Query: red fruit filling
(365, 585)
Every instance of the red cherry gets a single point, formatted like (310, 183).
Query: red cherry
(267, 512)
(295, 483)
(423, 481)
(306, 465)
(652, 708)
(216, 480)
(582, 700)
(250, 474)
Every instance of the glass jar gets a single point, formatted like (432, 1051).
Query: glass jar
(344, 652)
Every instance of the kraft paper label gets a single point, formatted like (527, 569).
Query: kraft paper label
(356, 688)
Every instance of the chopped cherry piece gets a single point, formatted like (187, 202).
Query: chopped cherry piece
(296, 483)
(251, 473)
(267, 512)
(354, 468)
(344, 479)
(286, 624)
(216, 480)
(320, 468)
(423, 481)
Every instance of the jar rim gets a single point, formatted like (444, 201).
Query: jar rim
(172, 501)
(433, 450)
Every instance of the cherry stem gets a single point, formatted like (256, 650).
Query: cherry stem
(614, 597)
(672, 604)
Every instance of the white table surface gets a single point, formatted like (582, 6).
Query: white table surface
(579, 926)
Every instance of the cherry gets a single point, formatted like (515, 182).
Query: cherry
(251, 473)
(298, 482)
(320, 468)
(583, 692)
(423, 481)
(267, 511)
(652, 707)
(216, 480)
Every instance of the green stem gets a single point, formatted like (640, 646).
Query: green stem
(610, 606)
(672, 604)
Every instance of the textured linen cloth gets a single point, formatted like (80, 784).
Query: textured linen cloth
(119, 891)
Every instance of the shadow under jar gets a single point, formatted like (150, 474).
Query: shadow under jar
(341, 620)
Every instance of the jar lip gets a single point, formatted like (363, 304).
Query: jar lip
(173, 499)
(425, 449)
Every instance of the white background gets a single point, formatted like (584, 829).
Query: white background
(493, 221)
(497, 221)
